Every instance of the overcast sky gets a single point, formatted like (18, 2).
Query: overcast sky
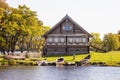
(102, 16)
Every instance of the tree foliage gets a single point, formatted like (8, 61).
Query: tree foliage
(96, 41)
(119, 38)
(111, 41)
(20, 26)
(4, 5)
(4, 8)
(96, 38)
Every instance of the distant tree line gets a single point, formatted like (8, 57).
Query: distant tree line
(20, 29)
(110, 42)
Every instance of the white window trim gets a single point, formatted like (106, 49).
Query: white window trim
(49, 39)
(56, 40)
(84, 40)
(62, 40)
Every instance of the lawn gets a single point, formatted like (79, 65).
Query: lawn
(112, 57)
(109, 58)
(68, 58)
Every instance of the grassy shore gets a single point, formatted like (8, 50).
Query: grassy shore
(67, 58)
(113, 56)
(110, 58)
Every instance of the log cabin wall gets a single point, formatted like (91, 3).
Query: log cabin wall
(66, 37)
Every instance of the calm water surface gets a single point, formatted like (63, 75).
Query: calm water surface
(59, 73)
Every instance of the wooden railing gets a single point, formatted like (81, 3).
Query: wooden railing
(86, 43)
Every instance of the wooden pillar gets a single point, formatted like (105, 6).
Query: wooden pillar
(45, 46)
(60, 29)
(74, 29)
(88, 49)
(66, 45)
(88, 46)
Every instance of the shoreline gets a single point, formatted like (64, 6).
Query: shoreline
(34, 63)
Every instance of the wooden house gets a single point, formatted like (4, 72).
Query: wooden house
(66, 37)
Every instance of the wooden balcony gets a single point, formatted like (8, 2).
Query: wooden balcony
(80, 44)
(55, 43)
(73, 44)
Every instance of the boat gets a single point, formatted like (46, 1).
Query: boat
(60, 62)
(42, 63)
(85, 61)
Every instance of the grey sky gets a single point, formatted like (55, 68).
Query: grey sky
(102, 16)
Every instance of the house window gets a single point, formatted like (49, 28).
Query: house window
(67, 27)
(78, 40)
(71, 40)
(62, 40)
(50, 40)
(84, 40)
(56, 40)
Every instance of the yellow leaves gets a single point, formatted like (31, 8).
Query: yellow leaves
(0, 16)
(22, 27)
(28, 31)
(16, 17)
(15, 25)
(4, 5)
(23, 23)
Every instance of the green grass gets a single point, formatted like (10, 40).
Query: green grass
(68, 58)
(109, 58)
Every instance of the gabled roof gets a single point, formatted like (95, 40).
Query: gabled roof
(69, 18)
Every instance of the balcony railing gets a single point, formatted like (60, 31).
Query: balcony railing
(86, 43)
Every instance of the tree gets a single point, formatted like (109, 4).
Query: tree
(119, 35)
(111, 41)
(96, 38)
(4, 5)
(38, 41)
(20, 26)
(2, 45)
(4, 11)
(119, 38)
(96, 41)
(24, 23)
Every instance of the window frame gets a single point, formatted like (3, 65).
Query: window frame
(67, 28)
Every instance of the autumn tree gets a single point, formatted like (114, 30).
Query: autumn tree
(4, 11)
(20, 26)
(31, 38)
(111, 41)
(119, 37)
(25, 25)
(95, 38)
(96, 41)
(4, 5)
(38, 41)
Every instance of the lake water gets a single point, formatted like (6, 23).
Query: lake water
(59, 73)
